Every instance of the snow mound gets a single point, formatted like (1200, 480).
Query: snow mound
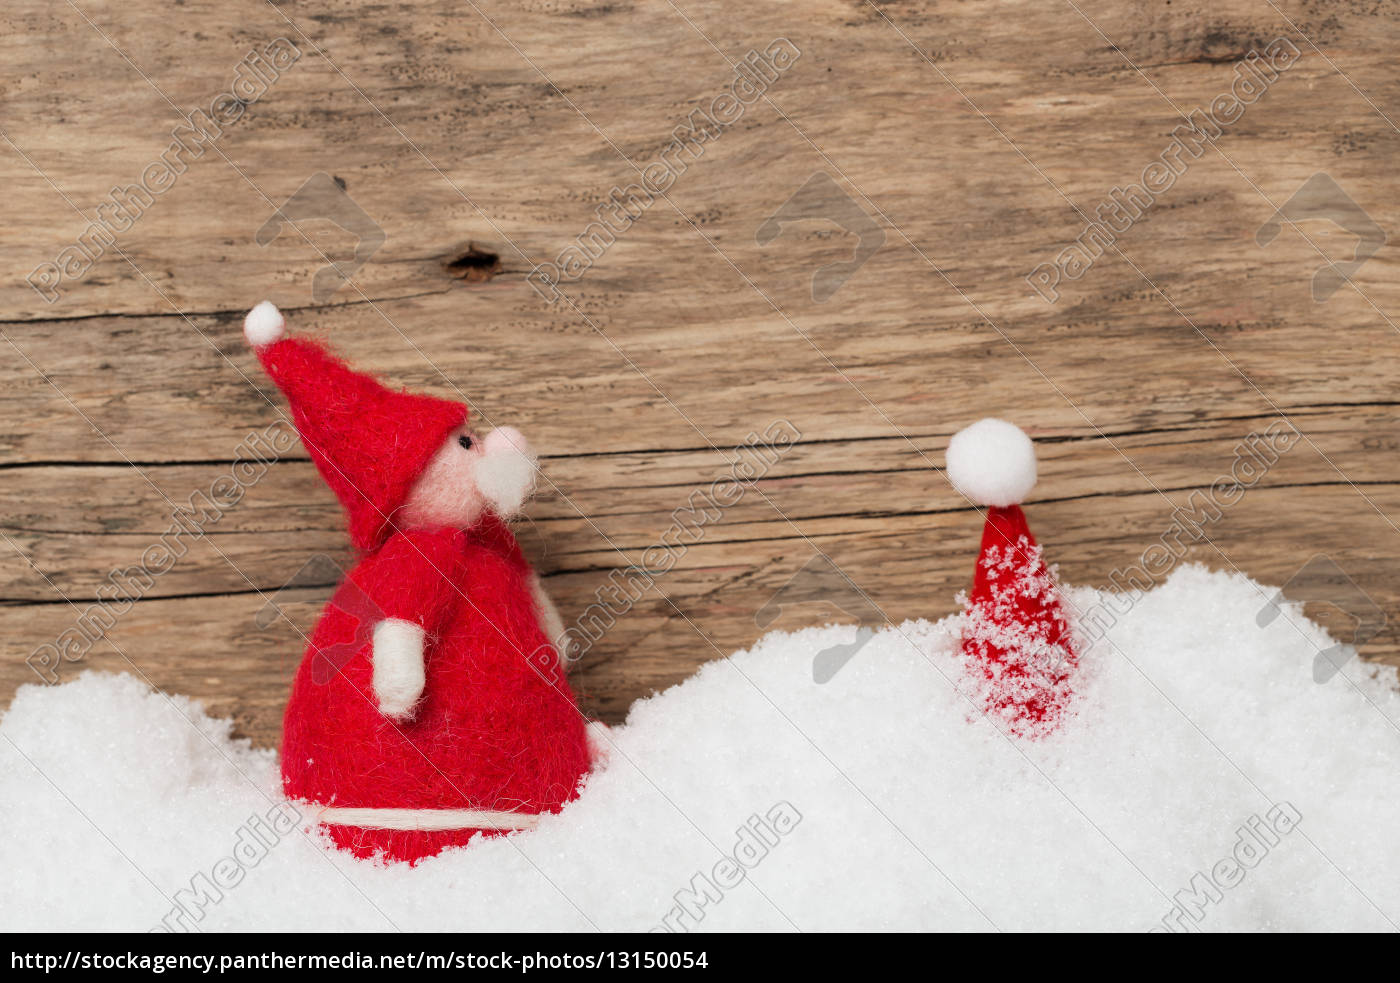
(1203, 779)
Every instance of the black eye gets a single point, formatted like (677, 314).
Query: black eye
(465, 441)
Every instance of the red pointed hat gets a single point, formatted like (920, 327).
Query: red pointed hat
(1017, 644)
(369, 442)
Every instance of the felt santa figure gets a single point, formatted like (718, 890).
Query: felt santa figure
(1018, 649)
(431, 705)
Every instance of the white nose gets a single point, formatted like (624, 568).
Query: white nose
(505, 472)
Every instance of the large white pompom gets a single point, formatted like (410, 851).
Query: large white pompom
(264, 325)
(992, 462)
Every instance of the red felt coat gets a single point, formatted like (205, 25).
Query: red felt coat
(497, 727)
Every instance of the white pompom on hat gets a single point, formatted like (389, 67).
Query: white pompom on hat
(992, 462)
(264, 325)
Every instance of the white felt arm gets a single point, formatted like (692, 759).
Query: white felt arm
(398, 667)
(550, 620)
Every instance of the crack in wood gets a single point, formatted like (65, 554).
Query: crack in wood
(856, 439)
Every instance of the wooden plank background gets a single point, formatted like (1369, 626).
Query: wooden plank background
(969, 133)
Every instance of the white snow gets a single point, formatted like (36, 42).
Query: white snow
(915, 812)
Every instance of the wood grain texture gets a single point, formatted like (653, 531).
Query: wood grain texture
(975, 136)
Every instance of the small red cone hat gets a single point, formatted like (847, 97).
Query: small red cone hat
(1017, 644)
(369, 442)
